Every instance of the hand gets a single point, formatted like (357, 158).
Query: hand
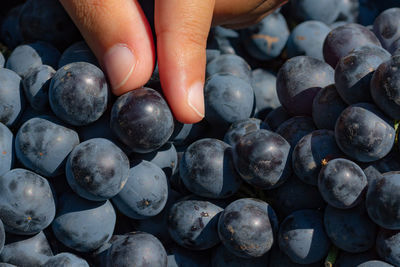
(120, 36)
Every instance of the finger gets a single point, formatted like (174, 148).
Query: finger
(182, 28)
(120, 37)
(223, 14)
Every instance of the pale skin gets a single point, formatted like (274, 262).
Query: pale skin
(120, 36)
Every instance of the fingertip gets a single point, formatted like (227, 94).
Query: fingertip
(196, 98)
(121, 38)
(192, 109)
(125, 70)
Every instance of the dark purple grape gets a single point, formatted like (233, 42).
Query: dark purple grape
(311, 152)
(385, 87)
(353, 73)
(43, 145)
(12, 100)
(307, 39)
(364, 133)
(383, 200)
(79, 93)
(350, 230)
(342, 183)
(207, 170)
(227, 99)
(142, 120)
(26, 251)
(266, 39)
(145, 193)
(299, 80)
(193, 224)
(81, 224)
(387, 26)
(247, 226)
(302, 237)
(97, 169)
(140, 249)
(261, 158)
(326, 108)
(27, 202)
(342, 40)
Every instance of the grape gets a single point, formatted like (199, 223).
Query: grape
(342, 183)
(385, 87)
(383, 200)
(353, 73)
(342, 40)
(364, 133)
(261, 158)
(350, 230)
(299, 80)
(246, 227)
(386, 26)
(302, 237)
(326, 108)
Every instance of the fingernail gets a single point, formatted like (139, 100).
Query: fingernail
(196, 98)
(119, 63)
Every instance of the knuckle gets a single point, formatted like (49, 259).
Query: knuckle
(190, 32)
(194, 33)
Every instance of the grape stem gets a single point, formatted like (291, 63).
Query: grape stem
(332, 256)
(397, 129)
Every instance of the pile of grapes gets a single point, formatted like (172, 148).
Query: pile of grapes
(296, 162)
